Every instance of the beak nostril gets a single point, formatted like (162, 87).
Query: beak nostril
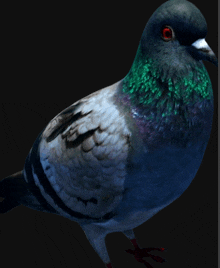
(206, 50)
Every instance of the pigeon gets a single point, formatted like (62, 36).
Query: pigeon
(115, 158)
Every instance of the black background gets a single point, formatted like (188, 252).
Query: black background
(52, 56)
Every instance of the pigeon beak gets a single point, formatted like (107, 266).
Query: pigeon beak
(205, 51)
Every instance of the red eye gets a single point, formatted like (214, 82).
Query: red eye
(167, 33)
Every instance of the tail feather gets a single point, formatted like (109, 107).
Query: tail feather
(12, 189)
(16, 191)
(7, 205)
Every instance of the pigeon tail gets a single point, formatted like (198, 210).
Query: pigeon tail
(10, 189)
(16, 191)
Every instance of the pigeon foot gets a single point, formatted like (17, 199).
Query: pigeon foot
(140, 253)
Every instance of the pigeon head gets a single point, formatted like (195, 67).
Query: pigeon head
(175, 36)
(168, 63)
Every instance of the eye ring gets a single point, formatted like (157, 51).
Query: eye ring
(167, 33)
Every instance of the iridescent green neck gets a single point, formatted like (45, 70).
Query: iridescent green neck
(144, 85)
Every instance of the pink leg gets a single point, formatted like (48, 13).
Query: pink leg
(139, 254)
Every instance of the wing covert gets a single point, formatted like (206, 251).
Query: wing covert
(84, 152)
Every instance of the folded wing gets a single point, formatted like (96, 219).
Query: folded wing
(83, 153)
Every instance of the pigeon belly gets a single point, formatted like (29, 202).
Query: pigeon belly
(160, 178)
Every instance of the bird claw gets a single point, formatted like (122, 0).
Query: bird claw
(140, 253)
